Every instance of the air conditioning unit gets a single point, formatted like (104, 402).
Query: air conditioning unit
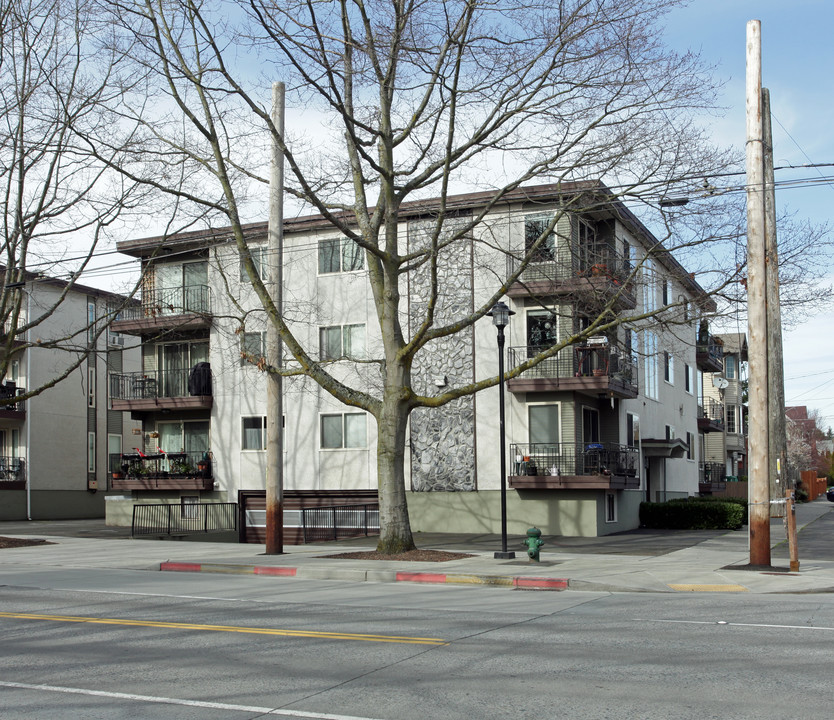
(597, 340)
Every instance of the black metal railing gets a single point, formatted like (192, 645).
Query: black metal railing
(12, 469)
(554, 459)
(195, 381)
(577, 361)
(10, 390)
(339, 521)
(711, 472)
(710, 409)
(172, 464)
(161, 302)
(566, 261)
(708, 346)
(183, 518)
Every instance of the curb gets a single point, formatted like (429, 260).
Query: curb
(510, 581)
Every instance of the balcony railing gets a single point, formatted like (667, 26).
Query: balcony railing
(159, 302)
(567, 261)
(10, 390)
(578, 361)
(710, 415)
(12, 471)
(710, 472)
(558, 459)
(162, 464)
(709, 353)
(191, 382)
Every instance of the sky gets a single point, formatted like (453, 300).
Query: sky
(797, 63)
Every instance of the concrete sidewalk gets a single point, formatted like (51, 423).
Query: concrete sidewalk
(641, 561)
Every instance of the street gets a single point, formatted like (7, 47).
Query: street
(98, 643)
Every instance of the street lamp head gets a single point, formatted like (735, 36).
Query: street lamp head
(500, 315)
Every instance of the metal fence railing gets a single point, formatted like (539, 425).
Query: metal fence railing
(187, 382)
(176, 464)
(339, 521)
(183, 518)
(566, 261)
(577, 361)
(9, 390)
(543, 459)
(12, 470)
(159, 302)
(712, 410)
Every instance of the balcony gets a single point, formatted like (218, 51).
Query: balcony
(573, 466)
(161, 471)
(591, 369)
(12, 410)
(12, 473)
(593, 274)
(709, 353)
(712, 477)
(182, 308)
(188, 389)
(710, 416)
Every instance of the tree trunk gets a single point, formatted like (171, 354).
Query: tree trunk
(395, 535)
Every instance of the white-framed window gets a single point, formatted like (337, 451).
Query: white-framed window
(91, 386)
(690, 449)
(91, 452)
(650, 364)
(632, 430)
(610, 507)
(649, 286)
(687, 378)
(189, 509)
(732, 419)
(259, 255)
(730, 367)
(343, 431)
(667, 292)
(253, 432)
(252, 347)
(341, 341)
(91, 320)
(340, 255)
(114, 450)
(668, 367)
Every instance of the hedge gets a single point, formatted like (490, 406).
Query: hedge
(693, 514)
(711, 498)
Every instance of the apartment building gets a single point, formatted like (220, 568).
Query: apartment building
(55, 447)
(609, 421)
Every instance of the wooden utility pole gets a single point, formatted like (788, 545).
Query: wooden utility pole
(759, 493)
(274, 348)
(777, 434)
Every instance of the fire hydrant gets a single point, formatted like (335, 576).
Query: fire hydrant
(533, 542)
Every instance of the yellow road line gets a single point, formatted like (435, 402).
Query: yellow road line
(710, 588)
(230, 628)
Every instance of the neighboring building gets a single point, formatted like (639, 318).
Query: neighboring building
(724, 395)
(590, 432)
(54, 447)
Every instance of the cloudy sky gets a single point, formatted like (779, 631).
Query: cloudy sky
(797, 63)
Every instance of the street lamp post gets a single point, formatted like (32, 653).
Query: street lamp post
(500, 315)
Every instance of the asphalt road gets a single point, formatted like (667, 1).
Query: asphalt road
(112, 644)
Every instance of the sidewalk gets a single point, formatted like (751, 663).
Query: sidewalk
(643, 561)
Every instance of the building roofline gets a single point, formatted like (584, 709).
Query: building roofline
(41, 279)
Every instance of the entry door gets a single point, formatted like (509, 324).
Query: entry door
(544, 435)
(590, 425)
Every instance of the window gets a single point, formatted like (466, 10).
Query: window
(610, 507)
(254, 433)
(341, 341)
(113, 315)
(344, 430)
(650, 364)
(91, 320)
(114, 449)
(259, 256)
(534, 227)
(670, 432)
(91, 452)
(340, 255)
(687, 378)
(632, 430)
(649, 286)
(91, 386)
(252, 347)
(730, 367)
(731, 424)
(667, 292)
(668, 368)
(689, 446)
(543, 425)
(190, 507)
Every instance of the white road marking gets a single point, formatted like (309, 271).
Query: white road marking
(177, 701)
(737, 624)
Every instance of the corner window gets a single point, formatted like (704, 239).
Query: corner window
(339, 255)
(344, 430)
(253, 433)
(341, 341)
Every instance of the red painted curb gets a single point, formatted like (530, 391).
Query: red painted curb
(543, 583)
(180, 566)
(421, 577)
(280, 571)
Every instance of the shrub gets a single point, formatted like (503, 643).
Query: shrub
(693, 514)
